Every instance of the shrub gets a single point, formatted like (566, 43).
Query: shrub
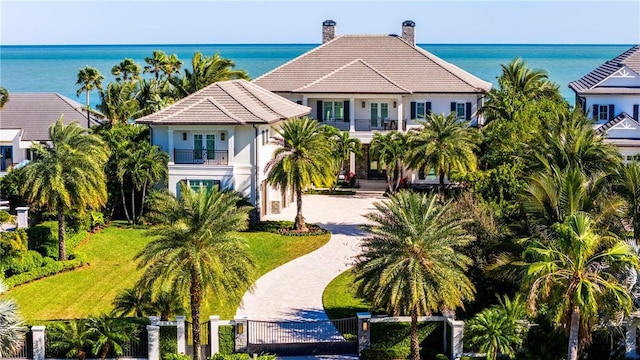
(22, 262)
(43, 238)
(176, 357)
(241, 356)
(5, 217)
(168, 342)
(50, 267)
(441, 357)
(13, 242)
(226, 339)
(392, 340)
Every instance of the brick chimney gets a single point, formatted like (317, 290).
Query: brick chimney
(409, 32)
(328, 30)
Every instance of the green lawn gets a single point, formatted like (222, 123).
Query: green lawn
(90, 290)
(339, 298)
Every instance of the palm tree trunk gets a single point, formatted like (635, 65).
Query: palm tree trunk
(144, 195)
(62, 247)
(88, 120)
(415, 342)
(441, 187)
(389, 180)
(572, 353)
(299, 222)
(124, 203)
(196, 299)
(133, 205)
(105, 350)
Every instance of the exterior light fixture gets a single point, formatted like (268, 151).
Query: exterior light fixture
(222, 136)
(184, 136)
(363, 104)
(240, 328)
(365, 325)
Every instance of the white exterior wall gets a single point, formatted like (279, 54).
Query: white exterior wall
(441, 104)
(621, 103)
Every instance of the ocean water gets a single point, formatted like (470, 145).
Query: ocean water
(55, 68)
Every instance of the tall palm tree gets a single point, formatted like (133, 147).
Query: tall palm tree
(12, 327)
(445, 145)
(195, 253)
(390, 150)
(147, 166)
(167, 303)
(628, 186)
(118, 102)
(110, 335)
(530, 83)
(72, 338)
(4, 96)
(135, 300)
(155, 63)
(575, 273)
(411, 263)
(89, 78)
(206, 70)
(127, 69)
(303, 158)
(67, 174)
(342, 146)
(171, 66)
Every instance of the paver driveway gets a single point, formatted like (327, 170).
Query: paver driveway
(294, 290)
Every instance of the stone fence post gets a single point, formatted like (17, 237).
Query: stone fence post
(181, 334)
(457, 333)
(23, 217)
(37, 333)
(630, 339)
(214, 338)
(153, 344)
(241, 334)
(364, 331)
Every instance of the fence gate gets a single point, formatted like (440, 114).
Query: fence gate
(205, 349)
(303, 338)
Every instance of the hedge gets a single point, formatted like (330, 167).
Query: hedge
(392, 341)
(50, 268)
(43, 238)
(226, 339)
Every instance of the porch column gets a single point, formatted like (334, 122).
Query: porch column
(630, 339)
(37, 333)
(352, 114)
(364, 331)
(181, 334)
(171, 160)
(352, 162)
(231, 140)
(400, 113)
(214, 339)
(305, 100)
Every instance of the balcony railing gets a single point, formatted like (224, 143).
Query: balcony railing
(376, 124)
(340, 124)
(207, 157)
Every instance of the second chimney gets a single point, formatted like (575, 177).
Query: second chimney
(409, 32)
(328, 30)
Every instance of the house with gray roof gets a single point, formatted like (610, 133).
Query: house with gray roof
(370, 83)
(611, 95)
(219, 136)
(26, 118)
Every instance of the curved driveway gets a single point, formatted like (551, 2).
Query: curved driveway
(294, 290)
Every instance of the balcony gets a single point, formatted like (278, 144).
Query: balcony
(205, 157)
(376, 124)
(339, 124)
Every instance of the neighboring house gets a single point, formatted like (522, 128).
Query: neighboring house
(220, 135)
(26, 118)
(369, 83)
(611, 95)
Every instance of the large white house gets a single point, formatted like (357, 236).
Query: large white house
(369, 83)
(611, 95)
(220, 136)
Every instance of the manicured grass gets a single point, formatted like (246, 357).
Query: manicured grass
(339, 298)
(90, 290)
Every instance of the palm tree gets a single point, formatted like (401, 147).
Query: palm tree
(89, 78)
(445, 145)
(628, 186)
(492, 332)
(532, 84)
(136, 299)
(118, 103)
(411, 263)
(67, 174)
(4, 96)
(303, 158)
(72, 338)
(390, 150)
(342, 146)
(206, 70)
(167, 304)
(156, 63)
(110, 335)
(147, 166)
(12, 328)
(127, 69)
(195, 253)
(575, 273)
(171, 66)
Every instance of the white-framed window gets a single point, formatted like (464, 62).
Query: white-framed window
(603, 112)
(461, 111)
(197, 185)
(332, 110)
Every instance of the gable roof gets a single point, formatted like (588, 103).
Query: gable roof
(589, 82)
(33, 113)
(404, 65)
(602, 129)
(233, 102)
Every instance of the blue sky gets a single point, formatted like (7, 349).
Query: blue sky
(27, 22)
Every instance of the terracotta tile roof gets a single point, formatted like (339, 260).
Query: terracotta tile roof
(35, 112)
(233, 102)
(589, 82)
(400, 63)
(602, 129)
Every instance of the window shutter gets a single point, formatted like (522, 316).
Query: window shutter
(347, 113)
(453, 107)
(428, 107)
(413, 110)
(468, 112)
(611, 110)
(595, 111)
(635, 112)
(319, 110)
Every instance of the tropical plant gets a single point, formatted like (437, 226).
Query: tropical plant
(147, 166)
(445, 145)
(342, 146)
(411, 263)
(4, 96)
(126, 70)
(167, 303)
(390, 150)
(72, 338)
(303, 158)
(196, 253)
(155, 63)
(67, 174)
(171, 66)
(206, 70)
(576, 273)
(89, 78)
(109, 335)
(492, 332)
(628, 187)
(12, 328)
(135, 300)
(118, 102)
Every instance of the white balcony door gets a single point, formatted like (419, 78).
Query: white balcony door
(204, 143)
(379, 113)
